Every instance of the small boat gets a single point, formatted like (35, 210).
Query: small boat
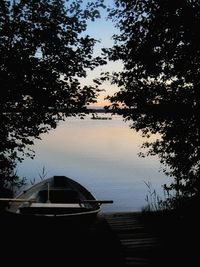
(96, 117)
(56, 197)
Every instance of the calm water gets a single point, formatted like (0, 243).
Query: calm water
(102, 156)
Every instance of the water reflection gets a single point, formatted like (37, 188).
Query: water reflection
(101, 155)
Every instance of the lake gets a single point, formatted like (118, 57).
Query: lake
(103, 156)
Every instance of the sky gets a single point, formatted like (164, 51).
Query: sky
(102, 29)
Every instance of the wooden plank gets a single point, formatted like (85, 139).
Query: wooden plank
(55, 205)
(138, 245)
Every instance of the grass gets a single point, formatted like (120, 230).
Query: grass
(42, 175)
(154, 201)
(177, 229)
(176, 226)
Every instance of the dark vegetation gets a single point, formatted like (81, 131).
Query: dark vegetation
(43, 52)
(159, 45)
(177, 236)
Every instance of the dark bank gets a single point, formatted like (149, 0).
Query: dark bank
(113, 239)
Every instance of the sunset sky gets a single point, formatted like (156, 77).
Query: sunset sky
(102, 30)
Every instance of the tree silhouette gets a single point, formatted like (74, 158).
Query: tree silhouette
(43, 52)
(159, 45)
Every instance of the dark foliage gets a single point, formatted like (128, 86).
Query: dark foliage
(159, 45)
(43, 52)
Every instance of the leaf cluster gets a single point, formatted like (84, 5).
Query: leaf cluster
(159, 45)
(43, 52)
